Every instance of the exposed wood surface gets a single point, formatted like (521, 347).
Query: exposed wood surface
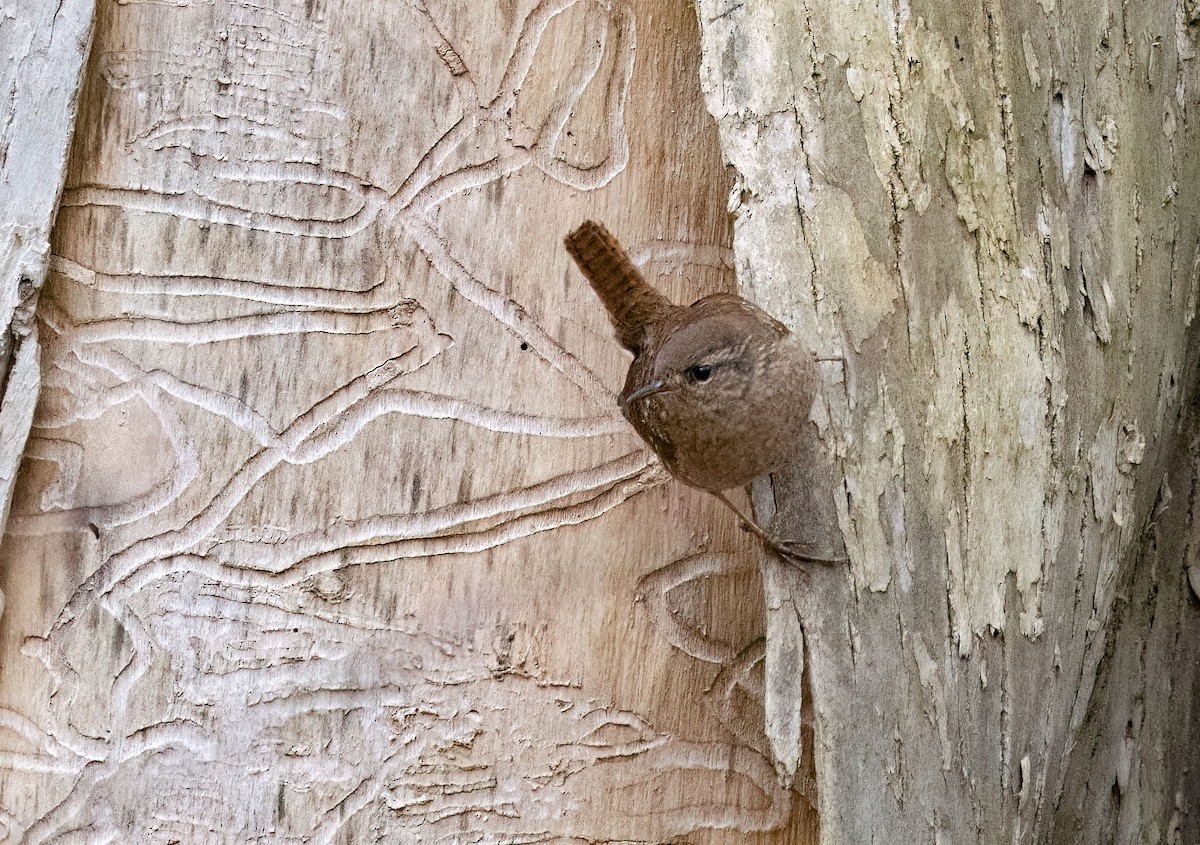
(328, 528)
(44, 47)
(991, 209)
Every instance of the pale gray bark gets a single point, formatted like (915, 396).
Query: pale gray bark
(991, 210)
(45, 46)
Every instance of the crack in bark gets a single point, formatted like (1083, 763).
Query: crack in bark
(896, 181)
(1004, 101)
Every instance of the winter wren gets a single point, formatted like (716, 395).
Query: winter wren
(719, 389)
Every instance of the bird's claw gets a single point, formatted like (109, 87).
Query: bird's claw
(799, 553)
(789, 550)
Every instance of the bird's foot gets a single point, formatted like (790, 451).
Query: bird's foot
(790, 550)
(796, 552)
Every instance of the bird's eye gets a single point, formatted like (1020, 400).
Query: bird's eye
(699, 372)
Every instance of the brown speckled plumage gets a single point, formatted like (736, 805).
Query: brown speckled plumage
(719, 389)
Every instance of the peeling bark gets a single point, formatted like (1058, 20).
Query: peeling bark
(45, 46)
(991, 211)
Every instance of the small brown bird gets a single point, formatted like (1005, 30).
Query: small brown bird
(719, 389)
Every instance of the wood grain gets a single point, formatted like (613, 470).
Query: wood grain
(45, 48)
(329, 529)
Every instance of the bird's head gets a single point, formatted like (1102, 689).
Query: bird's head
(706, 357)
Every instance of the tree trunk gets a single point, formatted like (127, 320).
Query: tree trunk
(328, 529)
(990, 210)
(46, 49)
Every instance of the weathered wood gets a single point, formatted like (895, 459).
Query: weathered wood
(45, 47)
(329, 529)
(991, 211)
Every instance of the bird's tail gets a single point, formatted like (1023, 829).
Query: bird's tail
(632, 303)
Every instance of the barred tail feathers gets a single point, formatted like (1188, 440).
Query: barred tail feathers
(632, 303)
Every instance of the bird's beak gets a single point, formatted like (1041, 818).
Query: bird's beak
(657, 386)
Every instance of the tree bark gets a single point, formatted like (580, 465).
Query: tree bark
(990, 210)
(45, 47)
(328, 529)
